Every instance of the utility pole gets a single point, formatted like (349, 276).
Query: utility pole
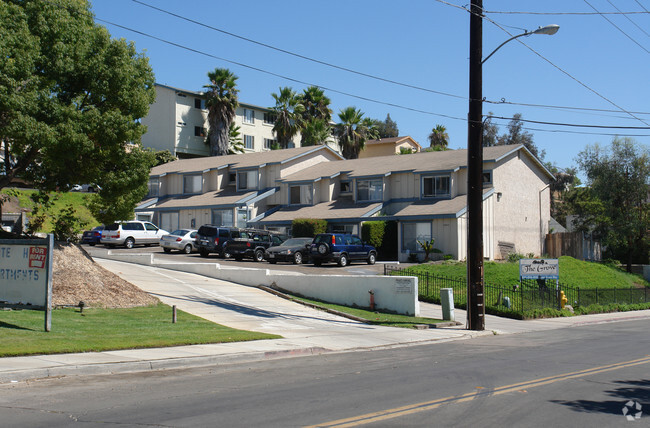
(475, 297)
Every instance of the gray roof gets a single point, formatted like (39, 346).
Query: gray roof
(228, 197)
(238, 161)
(417, 163)
(339, 209)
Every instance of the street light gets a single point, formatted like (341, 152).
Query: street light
(475, 295)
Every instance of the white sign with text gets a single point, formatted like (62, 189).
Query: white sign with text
(539, 269)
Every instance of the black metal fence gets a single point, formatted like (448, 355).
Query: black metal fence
(523, 296)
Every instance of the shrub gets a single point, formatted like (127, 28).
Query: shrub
(515, 257)
(308, 227)
(67, 225)
(372, 232)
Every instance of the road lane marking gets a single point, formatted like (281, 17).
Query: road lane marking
(430, 405)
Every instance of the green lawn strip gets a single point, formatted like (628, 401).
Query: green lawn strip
(76, 199)
(22, 332)
(370, 317)
(573, 273)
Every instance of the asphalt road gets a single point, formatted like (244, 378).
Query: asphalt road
(581, 376)
(355, 268)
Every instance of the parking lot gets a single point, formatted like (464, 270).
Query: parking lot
(357, 268)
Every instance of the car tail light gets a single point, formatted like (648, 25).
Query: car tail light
(248, 244)
(179, 239)
(216, 241)
(333, 240)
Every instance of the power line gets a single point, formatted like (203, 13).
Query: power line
(630, 19)
(618, 28)
(509, 12)
(575, 125)
(362, 73)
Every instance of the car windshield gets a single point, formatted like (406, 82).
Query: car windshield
(180, 232)
(113, 226)
(295, 242)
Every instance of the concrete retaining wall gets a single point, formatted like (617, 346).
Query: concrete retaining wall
(397, 294)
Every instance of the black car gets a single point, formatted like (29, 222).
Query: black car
(252, 243)
(211, 239)
(294, 250)
(341, 248)
(92, 237)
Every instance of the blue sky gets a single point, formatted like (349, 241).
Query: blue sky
(595, 61)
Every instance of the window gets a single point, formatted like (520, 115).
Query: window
(222, 217)
(414, 232)
(487, 178)
(341, 228)
(247, 180)
(268, 143)
(192, 183)
(232, 178)
(300, 195)
(435, 187)
(370, 190)
(199, 131)
(154, 186)
(249, 116)
(345, 187)
(249, 141)
(269, 118)
(198, 103)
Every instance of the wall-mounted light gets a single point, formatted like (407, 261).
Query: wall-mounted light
(499, 194)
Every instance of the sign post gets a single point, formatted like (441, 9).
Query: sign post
(26, 274)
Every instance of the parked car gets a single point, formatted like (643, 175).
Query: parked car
(341, 248)
(90, 188)
(92, 237)
(211, 239)
(131, 233)
(181, 240)
(294, 250)
(252, 243)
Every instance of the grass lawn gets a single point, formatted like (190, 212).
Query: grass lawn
(76, 199)
(22, 332)
(573, 273)
(378, 318)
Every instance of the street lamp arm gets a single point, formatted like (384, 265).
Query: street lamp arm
(549, 29)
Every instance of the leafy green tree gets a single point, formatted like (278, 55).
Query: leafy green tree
(387, 128)
(353, 131)
(315, 132)
(164, 156)
(490, 132)
(288, 115)
(439, 137)
(221, 102)
(517, 135)
(615, 204)
(70, 99)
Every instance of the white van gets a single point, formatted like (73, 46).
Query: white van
(130, 233)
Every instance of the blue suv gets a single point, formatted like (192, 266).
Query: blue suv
(341, 248)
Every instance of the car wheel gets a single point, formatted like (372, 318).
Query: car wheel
(343, 260)
(323, 248)
(129, 243)
(167, 250)
(372, 258)
(259, 256)
(187, 249)
(204, 253)
(297, 258)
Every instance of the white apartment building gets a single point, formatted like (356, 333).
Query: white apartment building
(177, 122)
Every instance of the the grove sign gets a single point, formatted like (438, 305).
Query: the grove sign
(539, 269)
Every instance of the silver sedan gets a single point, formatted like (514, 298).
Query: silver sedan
(181, 240)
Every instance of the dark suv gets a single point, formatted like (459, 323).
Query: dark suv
(252, 243)
(211, 239)
(341, 248)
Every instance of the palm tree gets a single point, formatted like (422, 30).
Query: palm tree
(234, 140)
(221, 101)
(314, 132)
(439, 137)
(315, 116)
(353, 131)
(288, 115)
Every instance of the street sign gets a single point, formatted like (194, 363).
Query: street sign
(539, 269)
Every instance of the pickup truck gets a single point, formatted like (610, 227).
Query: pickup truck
(252, 243)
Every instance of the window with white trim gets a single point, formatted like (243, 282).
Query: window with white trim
(249, 141)
(487, 178)
(300, 195)
(247, 180)
(192, 183)
(370, 190)
(154, 186)
(436, 186)
(269, 118)
(222, 217)
(249, 116)
(268, 143)
(414, 232)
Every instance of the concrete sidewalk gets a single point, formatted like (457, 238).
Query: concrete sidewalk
(305, 331)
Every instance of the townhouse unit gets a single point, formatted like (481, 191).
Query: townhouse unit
(177, 122)
(425, 193)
